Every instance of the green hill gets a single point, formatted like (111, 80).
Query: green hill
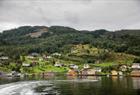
(28, 39)
(93, 55)
(98, 48)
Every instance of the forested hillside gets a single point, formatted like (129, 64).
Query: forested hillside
(27, 39)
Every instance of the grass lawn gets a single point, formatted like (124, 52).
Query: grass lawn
(49, 68)
(107, 64)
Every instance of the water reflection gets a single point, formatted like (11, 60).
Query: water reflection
(47, 90)
(83, 85)
(105, 86)
(136, 82)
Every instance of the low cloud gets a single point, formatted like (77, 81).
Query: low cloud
(79, 14)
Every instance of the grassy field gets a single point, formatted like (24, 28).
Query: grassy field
(79, 55)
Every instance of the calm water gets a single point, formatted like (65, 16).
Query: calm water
(71, 86)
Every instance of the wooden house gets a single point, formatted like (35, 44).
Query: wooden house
(88, 72)
(72, 72)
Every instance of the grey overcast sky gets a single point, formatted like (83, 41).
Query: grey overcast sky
(79, 14)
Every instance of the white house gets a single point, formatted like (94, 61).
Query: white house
(58, 65)
(49, 57)
(123, 68)
(4, 58)
(86, 66)
(30, 57)
(34, 54)
(73, 66)
(40, 59)
(56, 54)
(25, 65)
(135, 66)
(120, 73)
(98, 69)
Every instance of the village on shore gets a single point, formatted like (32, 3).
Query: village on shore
(35, 60)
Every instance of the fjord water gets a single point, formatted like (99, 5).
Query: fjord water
(71, 86)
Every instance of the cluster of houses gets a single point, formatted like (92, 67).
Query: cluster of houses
(86, 70)
(74, 69)
(36, 58)
(134, 70)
